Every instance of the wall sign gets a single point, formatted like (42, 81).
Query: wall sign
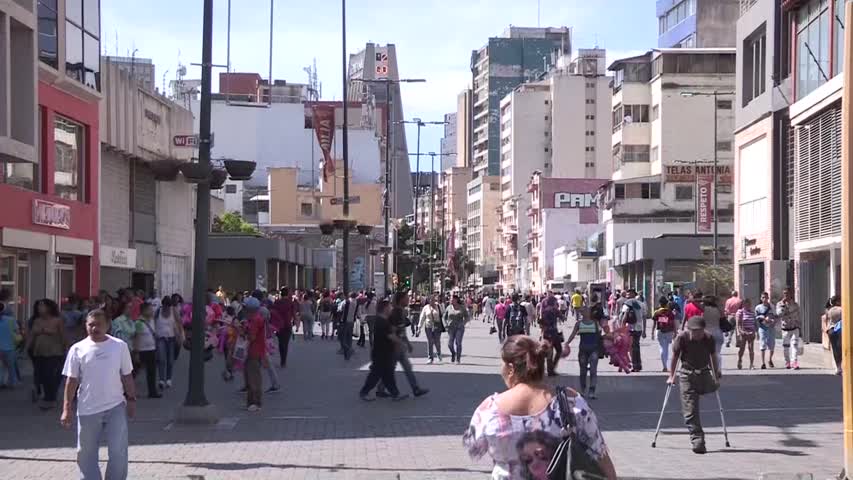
(51, 214)
(117, 257)
(688, 173)
(573, 200)
(703, 205)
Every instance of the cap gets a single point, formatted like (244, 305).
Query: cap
(696, 323)
(252, 303)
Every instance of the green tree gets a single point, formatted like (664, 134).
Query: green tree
(232, 222)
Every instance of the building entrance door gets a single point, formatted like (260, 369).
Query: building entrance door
(752, 281)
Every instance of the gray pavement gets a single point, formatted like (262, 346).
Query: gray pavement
(781, 422)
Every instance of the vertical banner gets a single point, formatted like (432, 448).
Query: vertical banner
(704, 185)
(324, 127)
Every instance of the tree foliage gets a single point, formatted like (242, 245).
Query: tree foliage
(232, 222)
(720, 278)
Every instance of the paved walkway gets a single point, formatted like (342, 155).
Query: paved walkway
(779, 422)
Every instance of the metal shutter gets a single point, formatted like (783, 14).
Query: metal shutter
(817, 181)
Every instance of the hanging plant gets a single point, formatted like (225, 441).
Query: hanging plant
(364, 229)
(327, 228)
(217, 178)
(240, 169)
(196, 172)
(165, 170)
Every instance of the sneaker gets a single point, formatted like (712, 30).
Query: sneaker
(253, 408)
(382, 394)
(400, 397)
(838, 370)
(664, 370)
(584, 392)
(169, 383)
(273, 390)
(788, 365)
(421, 392)
(739, 365)
(592, 395)
(770, 363)
(430, 361)
(763, 366)
(699, 448)
(161, 384)
(452, 359)
(795, 365)
(243, 390)
(366, 397)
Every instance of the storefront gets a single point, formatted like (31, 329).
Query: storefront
(117, 263)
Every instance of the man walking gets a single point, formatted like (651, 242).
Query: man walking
(285, 307)
(382, 358)
(500, 317)
(789, 315)
(632, 316)
(399, 322)
(488, 308)
(348, 310)
(733, 304)
(696, 350)
(98, 372)
(765, 316)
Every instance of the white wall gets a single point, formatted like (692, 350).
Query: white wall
(276, 136)
(561, 227)
(617, 234)
(569, 125)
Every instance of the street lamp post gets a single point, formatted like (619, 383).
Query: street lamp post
(714, 96)
(388, 168)
(345, 145)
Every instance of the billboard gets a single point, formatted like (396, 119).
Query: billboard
(704, 209)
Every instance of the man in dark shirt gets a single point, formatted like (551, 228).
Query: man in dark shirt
(285, 309)
(382, 355)
(399, 322)
(696, 351)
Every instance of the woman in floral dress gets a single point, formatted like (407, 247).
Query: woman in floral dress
(520, 428)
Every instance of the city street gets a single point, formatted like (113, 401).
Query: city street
(780, 422)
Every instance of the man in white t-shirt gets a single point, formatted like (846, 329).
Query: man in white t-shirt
(98, 369)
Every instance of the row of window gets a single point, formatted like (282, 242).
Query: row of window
(82, 39)
(636, 190)
(692, 63)
(676, 15)
(814, 46)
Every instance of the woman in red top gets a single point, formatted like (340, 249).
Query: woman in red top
(693, 307)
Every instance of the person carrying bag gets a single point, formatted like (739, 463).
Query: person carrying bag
(571, 459)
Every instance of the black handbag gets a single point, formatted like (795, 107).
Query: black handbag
(571, 459)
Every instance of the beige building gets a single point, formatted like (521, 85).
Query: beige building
(451, 199)
(463, 128)
(484, 197)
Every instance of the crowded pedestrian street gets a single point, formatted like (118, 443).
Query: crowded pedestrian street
(779, 422)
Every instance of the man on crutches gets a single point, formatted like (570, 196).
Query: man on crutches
(694, 348)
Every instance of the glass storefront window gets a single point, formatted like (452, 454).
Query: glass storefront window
(69, 164)
(47, 32)
(82, 42)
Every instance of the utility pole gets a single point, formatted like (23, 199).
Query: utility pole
(195, 391)
(847, 245)
(345, 145)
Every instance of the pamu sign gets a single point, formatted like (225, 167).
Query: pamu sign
(573, 200)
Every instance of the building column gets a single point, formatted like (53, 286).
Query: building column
(834, 259)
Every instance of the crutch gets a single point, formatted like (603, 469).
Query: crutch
(662, 410)
(720, 403)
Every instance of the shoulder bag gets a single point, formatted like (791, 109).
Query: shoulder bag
(571, 460)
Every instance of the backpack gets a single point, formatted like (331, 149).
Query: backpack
(517, 316)
(630, 316)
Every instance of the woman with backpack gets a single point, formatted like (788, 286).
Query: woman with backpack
(589, 330)
(324, 315)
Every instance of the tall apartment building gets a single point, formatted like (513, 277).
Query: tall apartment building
(49, 181)
(763, 177)
(559, 126)
(697, 23)
(451, 199)
(520, 55)
(483, 201)
(376, 62)
(464, 128)
(448, 142)
(663, 148)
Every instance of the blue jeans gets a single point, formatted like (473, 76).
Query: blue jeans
(110, 426)
(165, 357)
(665, 340)
(433, 341)
(454, 343)
(9, 368)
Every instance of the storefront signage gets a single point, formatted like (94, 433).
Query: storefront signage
(688, 173)
(573, 200)
(703, 205)
(51, 214)
(118, 257)
(191, 141)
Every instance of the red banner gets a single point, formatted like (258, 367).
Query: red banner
(704, 197)
(324, 127)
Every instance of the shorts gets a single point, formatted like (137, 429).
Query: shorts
(767, 339)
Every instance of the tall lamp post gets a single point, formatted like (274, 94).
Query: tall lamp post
(386, 207)
(714, 95)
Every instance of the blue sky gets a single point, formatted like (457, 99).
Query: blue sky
(434, 38)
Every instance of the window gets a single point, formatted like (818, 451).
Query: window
(812, 27)
(655, 112)
(590, 84)
(546, 133)
(619, 190)
(590, 133)
(546, 102)
(676, 15)
(82, 42)
(590, 101)
(590, 164)
(546, 118)
(231, 188)
(306, 209)
(590, 149)
(590, 117)
(696, 63)
(636, 114)
(838, 41)
(650, 190)
(635, 153)
(69, 165)
(655, 154)
(684, 192)
(47, 30)
(547, 149)
(724, 104)
(724, 146)
(754, 64)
